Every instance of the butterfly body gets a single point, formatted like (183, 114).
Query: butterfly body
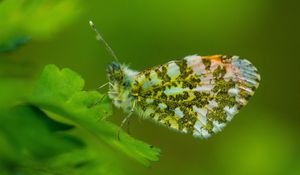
(196, 95)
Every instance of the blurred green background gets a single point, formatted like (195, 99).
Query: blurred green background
(262, 139)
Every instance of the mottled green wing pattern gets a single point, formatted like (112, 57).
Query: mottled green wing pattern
(197, 95)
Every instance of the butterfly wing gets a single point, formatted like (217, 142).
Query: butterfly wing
(197, 95)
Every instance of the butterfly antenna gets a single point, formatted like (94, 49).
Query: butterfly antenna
(100, 38)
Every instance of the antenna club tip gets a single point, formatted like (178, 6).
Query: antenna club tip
(91, 23)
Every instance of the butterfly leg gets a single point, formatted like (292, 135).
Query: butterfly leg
(126, 119)
(105, 84)
(128, 127)
(98, 101)
(102, 86)
(105, 95)
(101, 99)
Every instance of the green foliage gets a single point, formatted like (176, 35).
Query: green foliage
(27, 136)
(22, 19)
(27, 117)
(61, 92)
(64, 131)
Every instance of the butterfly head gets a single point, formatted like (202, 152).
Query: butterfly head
(115, 72)
(120, 78)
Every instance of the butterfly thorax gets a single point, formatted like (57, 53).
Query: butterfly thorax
(121, 79)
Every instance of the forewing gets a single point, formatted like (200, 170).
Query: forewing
(197, 95)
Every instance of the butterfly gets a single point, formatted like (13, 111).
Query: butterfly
(196, 95)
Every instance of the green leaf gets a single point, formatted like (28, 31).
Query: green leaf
(60, 92)
(27, 135)
(21, 120)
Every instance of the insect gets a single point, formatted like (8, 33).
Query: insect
(196, 95)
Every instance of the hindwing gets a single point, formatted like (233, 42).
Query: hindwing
(197, 95)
